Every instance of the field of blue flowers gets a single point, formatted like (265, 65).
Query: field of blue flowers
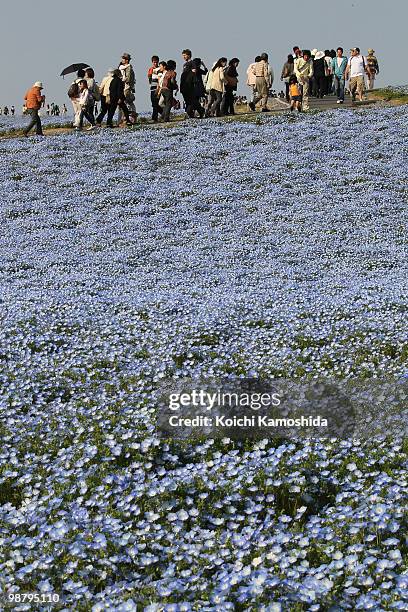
(128, 258)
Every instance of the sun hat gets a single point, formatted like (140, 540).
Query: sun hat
(38, 84)
(314, 51)
(371, 52)
(319, 55)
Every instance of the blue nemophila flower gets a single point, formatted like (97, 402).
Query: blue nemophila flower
(137, 269)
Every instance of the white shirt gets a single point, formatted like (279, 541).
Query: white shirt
(85, 98)
(356, 64)
(251, 78)
(161, 76)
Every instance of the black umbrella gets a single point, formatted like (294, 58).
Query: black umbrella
(74, 68)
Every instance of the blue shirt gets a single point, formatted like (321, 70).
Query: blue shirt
(337, 70)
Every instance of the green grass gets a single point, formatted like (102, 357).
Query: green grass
(390, 94)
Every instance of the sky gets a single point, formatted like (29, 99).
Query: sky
(38, 38)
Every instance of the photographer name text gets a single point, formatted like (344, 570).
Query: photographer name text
(200, 421)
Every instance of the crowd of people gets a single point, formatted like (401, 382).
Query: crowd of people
(53, 110)
(321, 73)
(6, 111)
(209, 92)
(50, 110)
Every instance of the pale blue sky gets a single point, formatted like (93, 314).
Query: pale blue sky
(40, 37)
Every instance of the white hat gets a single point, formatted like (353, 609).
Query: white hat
(314, 51)
(38, 84)
(319, 55)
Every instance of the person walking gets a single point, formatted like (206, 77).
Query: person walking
(209, 96)
(288, 71)
(355, 73)
(168, 86)
(129, 80)
(264, 81)
(153, 77)
(251, 78)
(187, 55)
(319, 74)
(12, 110)
(201, 73)
(339, 65)
(373, 68)
(304, 72)
(231, 86)
(161, 74)
(312, 81)
(86, 103)
(117, 99)
(329, 76)
(104, 89)
(333, 55)
(218, 81)
(73, 94)
(295, 95)
(192, 86)
(34, 100)
(187, 88)
(93, 88)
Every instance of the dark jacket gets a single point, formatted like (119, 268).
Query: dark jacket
(319, 67)
(117, 89)
(191, 83)
(187, 65)
(231, 76)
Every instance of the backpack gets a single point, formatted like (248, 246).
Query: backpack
(91, 99)
(73, 91)
(230, 80)
(372, 64)
(96, 93)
